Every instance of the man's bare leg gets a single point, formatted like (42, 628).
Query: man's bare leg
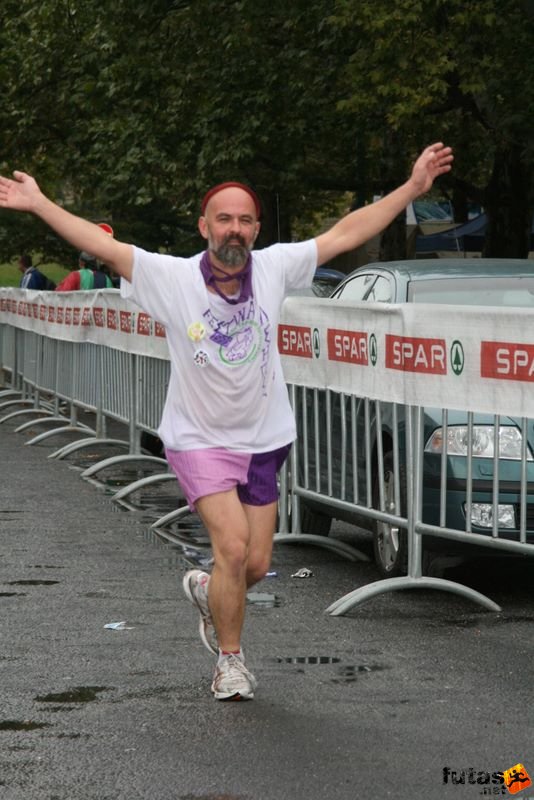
(262, 524)
(228, 527)
(241, 538)
(242, 542)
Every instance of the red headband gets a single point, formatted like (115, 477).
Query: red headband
(229, 184)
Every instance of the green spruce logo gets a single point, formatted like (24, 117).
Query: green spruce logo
(373, 349)
(316, 343)
(457, 357)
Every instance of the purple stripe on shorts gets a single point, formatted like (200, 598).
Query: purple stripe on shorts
(261, 487)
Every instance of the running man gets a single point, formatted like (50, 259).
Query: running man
(227, 424)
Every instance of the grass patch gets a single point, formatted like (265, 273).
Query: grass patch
(10, 275)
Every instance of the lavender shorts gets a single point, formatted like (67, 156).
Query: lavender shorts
(215, 469)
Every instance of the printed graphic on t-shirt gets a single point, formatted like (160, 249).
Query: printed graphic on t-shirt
(244, 345)
(242, 338)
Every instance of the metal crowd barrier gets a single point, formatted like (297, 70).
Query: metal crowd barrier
(53, 376)
(338, 466)
(345, 444)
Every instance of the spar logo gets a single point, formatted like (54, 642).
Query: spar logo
(416, 354)
(351, 347)
(507, 361)
(457, 357)
(297, 340)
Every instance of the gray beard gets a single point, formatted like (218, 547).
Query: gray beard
(232, 255)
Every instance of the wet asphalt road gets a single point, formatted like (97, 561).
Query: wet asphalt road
(370, 705)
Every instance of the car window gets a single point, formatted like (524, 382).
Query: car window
(367, 287)
(381, 291)
(480, 291)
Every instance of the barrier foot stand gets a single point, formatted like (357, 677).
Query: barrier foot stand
(141, 483)
(43, 421)
(64, 429)
(365, 593)
(11, 403)
(114, 460)
(83, 443)
(25, 412)
(172, 516)
(341, 548)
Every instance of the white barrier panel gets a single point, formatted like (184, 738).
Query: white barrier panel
(468, 358)
(100, 317)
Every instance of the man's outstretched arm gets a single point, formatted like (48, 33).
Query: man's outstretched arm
(23, 194)
(364, 223)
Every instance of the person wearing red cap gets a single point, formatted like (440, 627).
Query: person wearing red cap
(227, 425)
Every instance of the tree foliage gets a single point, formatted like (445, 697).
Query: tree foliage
(457, 71)
(129, 112)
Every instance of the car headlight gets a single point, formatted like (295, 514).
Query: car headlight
(483, 441)
(482, 515)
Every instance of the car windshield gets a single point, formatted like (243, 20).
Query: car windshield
(479, 291)
(323, 288)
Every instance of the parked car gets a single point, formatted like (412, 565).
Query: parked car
(485, 282)
(326, 280)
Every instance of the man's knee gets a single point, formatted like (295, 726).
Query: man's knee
(257, 567)
(232, 555)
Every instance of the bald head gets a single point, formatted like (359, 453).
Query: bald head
(230, 225)
(220, 187)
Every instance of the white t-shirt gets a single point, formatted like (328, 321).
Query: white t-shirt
(226, 386)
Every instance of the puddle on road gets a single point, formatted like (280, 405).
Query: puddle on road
(22, 725)
(78, 694)
(186, 541)
(309, 660)
(196, 558)
(345, 673)
(211, 797)
(32, 583)
(179, 554)
(44, 566)
(350, 672)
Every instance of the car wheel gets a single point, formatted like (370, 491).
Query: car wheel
(315, 522)
(390, 542)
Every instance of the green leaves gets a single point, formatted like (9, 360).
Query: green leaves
(137, 108)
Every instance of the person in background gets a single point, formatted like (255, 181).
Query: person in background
(89, 275)
(32, 278)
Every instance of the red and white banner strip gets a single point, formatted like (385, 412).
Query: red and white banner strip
(101, 317)
(466, 358)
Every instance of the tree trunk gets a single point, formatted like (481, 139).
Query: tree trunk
(460, 204)
(275, 224)
(508, 206)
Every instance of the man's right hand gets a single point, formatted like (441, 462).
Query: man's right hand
(20, 193)
(23, 194)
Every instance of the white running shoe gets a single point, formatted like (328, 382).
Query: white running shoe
(195, 585)
(232, 680)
